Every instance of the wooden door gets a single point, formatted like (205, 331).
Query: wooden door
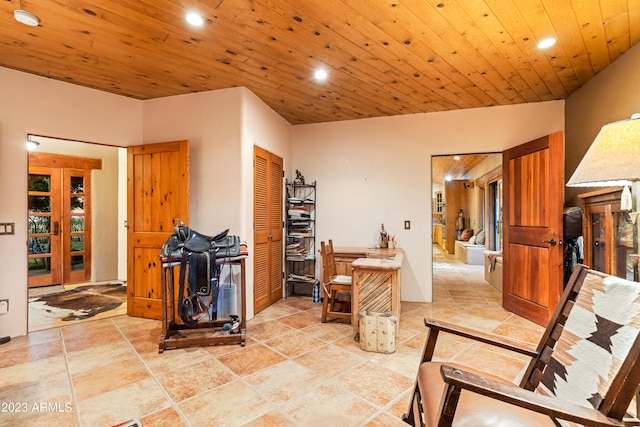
(59, 218)
(533, 178)
(44, 236)
(157, 193)
(267, 217)
(76, 220)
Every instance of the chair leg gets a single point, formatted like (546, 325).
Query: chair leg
(414, 416)
(325, 303)
(332, 303)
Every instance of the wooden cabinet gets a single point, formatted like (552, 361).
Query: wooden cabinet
(438, 235)
(438, 202)
(608, 234)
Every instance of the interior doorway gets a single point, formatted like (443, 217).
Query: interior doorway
(466, 207)
(97, 258)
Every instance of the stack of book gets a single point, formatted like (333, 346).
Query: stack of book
(298, 251)
(301, 229)
(298, 212)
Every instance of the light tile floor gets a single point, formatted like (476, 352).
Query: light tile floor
(294, 370)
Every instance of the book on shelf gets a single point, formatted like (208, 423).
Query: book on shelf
(300, 201)
(301, 234)
(298, 212)
(301, 278)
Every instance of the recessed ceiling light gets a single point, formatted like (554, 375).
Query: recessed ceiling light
(26, 18)
(321, 74)
(195, 19)
(456, 158)
(448, 178)
(545, 43)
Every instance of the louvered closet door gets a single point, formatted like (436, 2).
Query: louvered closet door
(267, 229)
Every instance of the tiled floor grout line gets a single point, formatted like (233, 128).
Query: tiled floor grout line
(324, 382)
(69, 378)
(174, 404)
(457, 295)
(379, 410)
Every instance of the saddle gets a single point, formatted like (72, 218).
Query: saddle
(197, 254)
(197, 242)
(222, 244)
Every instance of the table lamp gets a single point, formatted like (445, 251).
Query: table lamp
(614, 160)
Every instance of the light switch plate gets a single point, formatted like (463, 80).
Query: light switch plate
(407, 225)
(7, 228)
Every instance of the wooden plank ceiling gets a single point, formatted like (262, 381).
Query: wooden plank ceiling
(384, 57)
(454, 167)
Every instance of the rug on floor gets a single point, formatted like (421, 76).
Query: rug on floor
(82, 302)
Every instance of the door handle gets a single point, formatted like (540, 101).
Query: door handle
(56, 228)
(552, 242)
(270, 236)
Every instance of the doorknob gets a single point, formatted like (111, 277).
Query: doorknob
(552, 242)
(56, 228)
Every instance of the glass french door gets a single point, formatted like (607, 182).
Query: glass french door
(59, 231)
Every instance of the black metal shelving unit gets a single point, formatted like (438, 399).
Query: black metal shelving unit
(300, 237)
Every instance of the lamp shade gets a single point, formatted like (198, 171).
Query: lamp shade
(613, 158)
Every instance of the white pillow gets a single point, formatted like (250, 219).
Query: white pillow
(472, 240)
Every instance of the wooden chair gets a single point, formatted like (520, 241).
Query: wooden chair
(584, 371)
(332, 283)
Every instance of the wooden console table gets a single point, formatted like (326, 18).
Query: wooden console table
(376, 287)
(376, 283)
(206, 332)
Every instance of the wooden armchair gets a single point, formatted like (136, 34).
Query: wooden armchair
(585, 370)
(332, 283)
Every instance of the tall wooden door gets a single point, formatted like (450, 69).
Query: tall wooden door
(44, 237)
(267, 234)
(76, 218)
(533, 177)
(59, 218)
(157, 193)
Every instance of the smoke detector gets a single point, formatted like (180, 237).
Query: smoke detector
(26, 18)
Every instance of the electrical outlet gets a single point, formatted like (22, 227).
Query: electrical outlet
(4, 306)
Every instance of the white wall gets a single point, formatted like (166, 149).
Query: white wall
(222, 127)
(211, 121)
(262, 127)
(375, 171)
(368, 171)
(36, 105)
